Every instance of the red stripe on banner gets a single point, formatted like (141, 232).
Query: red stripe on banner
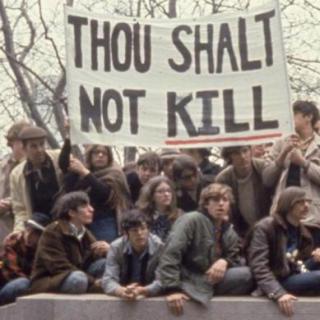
(228, 139)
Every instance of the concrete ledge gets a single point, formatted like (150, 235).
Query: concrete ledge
(102, 307)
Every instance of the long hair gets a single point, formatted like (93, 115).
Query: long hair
(119, 197)
(146, 201)
(91, 149)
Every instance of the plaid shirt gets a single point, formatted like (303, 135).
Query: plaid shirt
(15, 260)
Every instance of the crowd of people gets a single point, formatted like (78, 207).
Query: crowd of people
(172, 224)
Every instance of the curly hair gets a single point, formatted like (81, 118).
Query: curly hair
(91, 149)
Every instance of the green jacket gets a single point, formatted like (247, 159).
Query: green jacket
(189, 253)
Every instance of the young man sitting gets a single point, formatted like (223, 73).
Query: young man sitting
(282, 256)
(67, 258)
(202, 253)
(132, 260)
(17, 259)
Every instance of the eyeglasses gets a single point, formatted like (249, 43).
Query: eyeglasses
(163, 191)
(97, 152)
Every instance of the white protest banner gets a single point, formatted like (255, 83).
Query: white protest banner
(215, 80)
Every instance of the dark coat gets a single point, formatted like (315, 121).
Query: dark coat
(185, 202)
(209, 170)
(267, 254)
(58, 254)
(134, 184)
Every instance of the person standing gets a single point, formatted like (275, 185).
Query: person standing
(34, 183)
(6, 166)
(295, 160)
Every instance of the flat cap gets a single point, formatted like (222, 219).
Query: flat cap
(168, 153)
(15, 129)
(32, 132)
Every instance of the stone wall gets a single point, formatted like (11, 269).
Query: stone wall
(101, 307)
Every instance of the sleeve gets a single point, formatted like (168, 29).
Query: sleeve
(99, 188)
(259, 252)
(221, 177)
(154, 288)
(313, 170)
(272, 171)
(64, 156)
(231, 247)
(111, 277)
(171, 259)
(18, 204)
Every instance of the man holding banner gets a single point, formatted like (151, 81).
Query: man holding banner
(295, 161)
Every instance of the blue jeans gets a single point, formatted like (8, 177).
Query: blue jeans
(13, 289)
(236, 281)
(105, 228)
(77, 281)
(303, 283)
(97, 268)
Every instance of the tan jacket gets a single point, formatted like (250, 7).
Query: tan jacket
(21, 202)
(7, 164)
(273, 175)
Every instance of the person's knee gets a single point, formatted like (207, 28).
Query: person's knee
(24, 284)
(76, 282)
(97, 268)
(316, 277)
(243, 279)
(13, 289)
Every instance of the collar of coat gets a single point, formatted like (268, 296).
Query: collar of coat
(67, 230)
(313, 146)
(284, 225)
(224, 225)
(28, 168)
(78, 233)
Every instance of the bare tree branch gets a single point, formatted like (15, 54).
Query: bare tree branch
(46, 34)
(22, 87)
(29, 46)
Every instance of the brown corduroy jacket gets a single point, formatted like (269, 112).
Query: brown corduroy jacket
(58, 254)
